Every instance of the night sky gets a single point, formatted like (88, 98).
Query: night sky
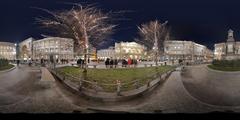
(204, 21)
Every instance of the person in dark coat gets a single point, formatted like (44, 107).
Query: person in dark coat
(115, 63)
(107, 62)
(111, 63)
(18, 61)
(79, 62)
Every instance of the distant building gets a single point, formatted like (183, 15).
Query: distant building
(103, 54)
(7, 50)
(60, 48)
(123, 50)
(187, 51)
(130, 50)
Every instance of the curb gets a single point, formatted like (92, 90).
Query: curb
(9, 69)
(225, 72)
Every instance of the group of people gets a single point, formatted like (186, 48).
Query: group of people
(110, 63)
(80, 63)
(113, 63)
(129, 63)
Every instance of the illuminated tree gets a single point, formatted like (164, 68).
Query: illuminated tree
(25, 52)
(153, 35)
(86, 25)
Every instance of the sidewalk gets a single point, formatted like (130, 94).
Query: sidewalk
(47, 79)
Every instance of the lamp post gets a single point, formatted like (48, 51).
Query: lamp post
(16, 50)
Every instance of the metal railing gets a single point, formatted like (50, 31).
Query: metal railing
(117, 87)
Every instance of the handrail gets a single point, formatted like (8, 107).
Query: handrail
(113, 84)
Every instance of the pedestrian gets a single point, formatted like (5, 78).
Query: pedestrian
(107, 62)
(129, 62)
(115, 63)
(135, 62)
(79, 63)
(18, 61)
(42, 62)
(111, 63)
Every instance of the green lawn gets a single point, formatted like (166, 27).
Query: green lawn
(6, 67)
(224, 68)
(109, 76)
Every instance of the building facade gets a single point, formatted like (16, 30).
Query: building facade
(229, 50)
(8, 50)
(103, 54)
(60, 48)
(130, 50)
(123, 50)
(187, 51)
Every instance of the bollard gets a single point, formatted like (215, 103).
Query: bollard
(150, 65)
(95, 66)
(145, 65)
(148, 84)
(95, 86)
(118, 87)
(137, 84)
(160, 78)
(80, 85)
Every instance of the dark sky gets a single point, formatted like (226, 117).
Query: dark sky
(204, 21)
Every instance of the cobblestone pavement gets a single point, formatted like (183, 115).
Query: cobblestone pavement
(20, 92)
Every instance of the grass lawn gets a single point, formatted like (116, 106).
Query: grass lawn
(229, 69)
(109, 76)
(6, 67)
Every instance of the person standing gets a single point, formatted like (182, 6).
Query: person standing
(129, 62)
(18, 61)
(107, 62)
(115, 63)
(111, 63)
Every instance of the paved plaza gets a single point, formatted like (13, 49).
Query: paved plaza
(196, 90)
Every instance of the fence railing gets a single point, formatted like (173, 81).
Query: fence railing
(117, 87)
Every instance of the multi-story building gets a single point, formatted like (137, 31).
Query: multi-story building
(130, 50)
(103, 54)
(228, 50)
(7, 50)
(123, 50)
(186, 51)
(60, 48)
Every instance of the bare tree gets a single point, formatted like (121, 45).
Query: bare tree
(86, 25)
(153, 35)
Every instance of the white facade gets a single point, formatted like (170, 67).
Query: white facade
(123, 50)
(7, 50)
(60, 48)
(187, 51)
(106, 53)
(130, 50)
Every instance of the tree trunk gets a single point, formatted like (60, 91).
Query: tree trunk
(85, 54)
(156, 58)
